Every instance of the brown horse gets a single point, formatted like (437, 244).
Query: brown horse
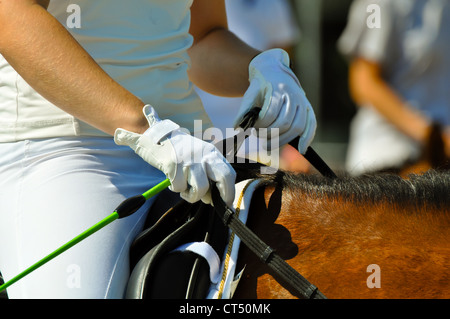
(374, 236)
(433, 155)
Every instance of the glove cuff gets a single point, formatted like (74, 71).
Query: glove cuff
(150, 114)
(160, 130)
(268, 58)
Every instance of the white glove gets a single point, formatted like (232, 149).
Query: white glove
(188, 162)
(277, 91)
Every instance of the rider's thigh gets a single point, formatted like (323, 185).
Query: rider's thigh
(54, 190)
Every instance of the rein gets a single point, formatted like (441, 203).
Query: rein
(265, 253)
(311, 156)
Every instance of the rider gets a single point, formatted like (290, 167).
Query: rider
(399, 73)
(123, 71)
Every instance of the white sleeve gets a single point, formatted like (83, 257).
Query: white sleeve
(369, 30)
(263, 24)
(283, 29)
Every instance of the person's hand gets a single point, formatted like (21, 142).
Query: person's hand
(275, 88)
(188, 162)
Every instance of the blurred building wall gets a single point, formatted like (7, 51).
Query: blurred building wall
(323, 73)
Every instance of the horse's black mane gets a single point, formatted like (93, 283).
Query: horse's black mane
(431, 189)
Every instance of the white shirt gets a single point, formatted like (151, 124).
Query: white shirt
(141, 44)
(263, 24)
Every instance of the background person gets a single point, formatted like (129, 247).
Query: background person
(399, 77)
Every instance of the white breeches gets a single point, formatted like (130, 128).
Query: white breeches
(54, 189)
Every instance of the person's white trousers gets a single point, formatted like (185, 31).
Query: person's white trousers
(51, 191)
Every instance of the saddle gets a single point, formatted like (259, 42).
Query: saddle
(161, 270)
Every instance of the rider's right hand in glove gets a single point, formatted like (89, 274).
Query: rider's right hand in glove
(188, 162)
(284, 106)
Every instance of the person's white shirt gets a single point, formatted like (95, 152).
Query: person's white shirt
(145, 53)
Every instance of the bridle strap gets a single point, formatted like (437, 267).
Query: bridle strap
(265, 253)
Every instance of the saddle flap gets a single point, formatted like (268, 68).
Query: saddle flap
(164, 271)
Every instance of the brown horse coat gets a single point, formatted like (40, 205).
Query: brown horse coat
(374, 236)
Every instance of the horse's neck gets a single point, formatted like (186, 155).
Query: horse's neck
(333, 242)
(336, 219)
